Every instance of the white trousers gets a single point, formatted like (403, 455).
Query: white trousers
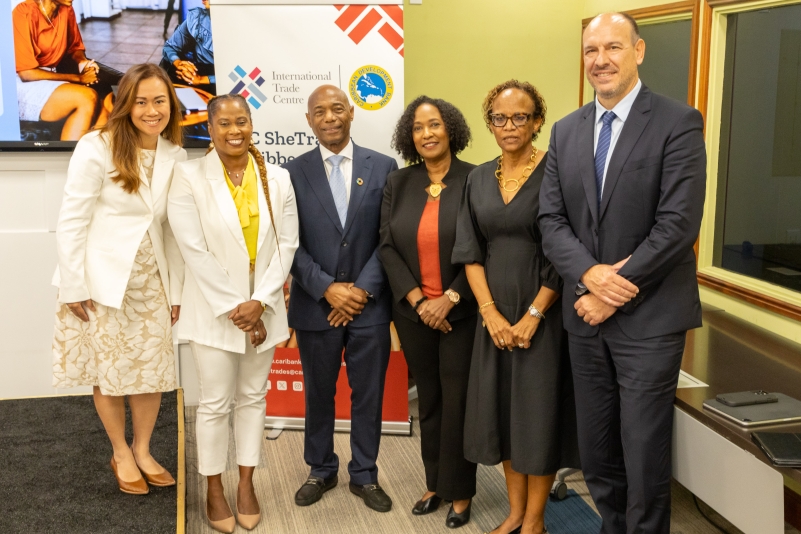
(225, 378)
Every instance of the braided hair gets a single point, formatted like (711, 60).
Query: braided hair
(212, 107)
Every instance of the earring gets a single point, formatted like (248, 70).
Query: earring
(211, 145)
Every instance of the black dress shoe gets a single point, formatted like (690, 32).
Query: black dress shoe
(373, 496)
(312, 490)
(455, 520)
(427, 506)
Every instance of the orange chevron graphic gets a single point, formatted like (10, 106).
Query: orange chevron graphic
(357, 21)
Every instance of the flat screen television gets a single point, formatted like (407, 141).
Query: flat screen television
(61, 61)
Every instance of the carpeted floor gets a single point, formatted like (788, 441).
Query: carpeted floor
(55, 476)
(401, 474)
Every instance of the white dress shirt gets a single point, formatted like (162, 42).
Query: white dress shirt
(346, 166)
(621, 111)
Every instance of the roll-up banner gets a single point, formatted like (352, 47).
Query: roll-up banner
(275, 54)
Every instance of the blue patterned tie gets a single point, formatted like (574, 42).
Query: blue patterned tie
(337, 183)
(604, 140)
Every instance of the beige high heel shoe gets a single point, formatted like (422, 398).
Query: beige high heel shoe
(226, 526)
(248, 522)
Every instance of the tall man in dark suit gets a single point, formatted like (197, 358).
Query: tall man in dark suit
(339, 297)
(620, 208)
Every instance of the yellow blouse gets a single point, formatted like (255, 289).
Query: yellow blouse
(246, 199)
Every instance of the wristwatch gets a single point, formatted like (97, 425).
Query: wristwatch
(534, 312)
(453, 296)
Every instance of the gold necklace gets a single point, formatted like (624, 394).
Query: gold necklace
(235, 175)
(502, 182)
(434, 189)
(42, 9)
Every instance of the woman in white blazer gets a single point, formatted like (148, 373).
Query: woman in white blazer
(120, 272)
(238, 231)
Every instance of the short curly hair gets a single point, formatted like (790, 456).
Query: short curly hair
(540, 109)
(459, 135)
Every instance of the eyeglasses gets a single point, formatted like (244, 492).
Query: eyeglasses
(518, 119)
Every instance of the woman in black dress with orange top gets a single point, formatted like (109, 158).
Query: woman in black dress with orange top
(433, 309)
(520, 408)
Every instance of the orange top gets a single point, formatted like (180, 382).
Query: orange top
(37, 42)
(428, 251)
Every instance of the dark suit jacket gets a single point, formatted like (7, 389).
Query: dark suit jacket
(651, 209)
(329, 253)
(404, 201)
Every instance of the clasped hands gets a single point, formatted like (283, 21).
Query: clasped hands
(433, 313)
(187, 71)
(346, 302)
(247, 317)
(506, 335)
(608, 291)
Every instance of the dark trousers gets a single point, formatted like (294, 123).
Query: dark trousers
(440, 364)
(625, 390)
(366, 360)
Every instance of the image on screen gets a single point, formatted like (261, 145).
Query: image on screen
(61, 62)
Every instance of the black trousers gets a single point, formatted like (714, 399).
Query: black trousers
(366, 361)
(625, 390)
(440, 364)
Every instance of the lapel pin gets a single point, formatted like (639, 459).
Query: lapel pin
(359, 181)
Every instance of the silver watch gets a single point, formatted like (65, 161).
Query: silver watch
(534, 312)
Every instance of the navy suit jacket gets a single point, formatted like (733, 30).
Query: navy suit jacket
(653, 201)
(329, 253)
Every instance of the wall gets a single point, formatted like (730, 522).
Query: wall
(459, 49)
(594, 7)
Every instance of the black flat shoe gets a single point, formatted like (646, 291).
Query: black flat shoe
(427, 506)
(373, 496)
(313, 489)
(455, 520)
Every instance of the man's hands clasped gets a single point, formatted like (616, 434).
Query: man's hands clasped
(346, 301)
(607, 292)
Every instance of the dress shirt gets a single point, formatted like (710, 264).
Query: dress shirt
(621, 110)
(346, 166)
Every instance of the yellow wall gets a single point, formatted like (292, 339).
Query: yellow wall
(459, 49)
(594, 7)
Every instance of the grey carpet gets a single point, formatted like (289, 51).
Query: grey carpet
(55, 476)
(400, 473)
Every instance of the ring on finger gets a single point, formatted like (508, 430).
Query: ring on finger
(520, 345)
(503, 342)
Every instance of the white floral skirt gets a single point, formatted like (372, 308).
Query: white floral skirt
(124, 351)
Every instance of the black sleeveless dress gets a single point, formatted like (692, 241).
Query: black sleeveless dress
(520, 404)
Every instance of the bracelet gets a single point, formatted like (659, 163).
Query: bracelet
(534, 312)
(417, 304)
(490, 303)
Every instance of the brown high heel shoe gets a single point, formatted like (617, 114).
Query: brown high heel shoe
(248, 522)
(161, 480)
(137, 487)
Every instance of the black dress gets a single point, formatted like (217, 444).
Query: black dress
(520, 404)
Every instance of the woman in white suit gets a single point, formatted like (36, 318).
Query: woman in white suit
(236, 223)
(120, 272)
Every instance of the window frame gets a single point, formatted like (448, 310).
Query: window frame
(712, 15)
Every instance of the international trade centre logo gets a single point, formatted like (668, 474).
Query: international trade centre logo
(247, 85)
(371, 87)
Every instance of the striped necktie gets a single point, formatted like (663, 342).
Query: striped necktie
(604, 140)
(337, 183)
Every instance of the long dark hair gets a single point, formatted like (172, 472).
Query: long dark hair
(124, 136)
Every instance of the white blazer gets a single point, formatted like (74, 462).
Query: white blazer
(100, 226)
(203, 215)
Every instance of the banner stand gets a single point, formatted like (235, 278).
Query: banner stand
(279, 424)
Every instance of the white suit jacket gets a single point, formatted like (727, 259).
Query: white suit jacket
(206, 224)
(100, 226)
